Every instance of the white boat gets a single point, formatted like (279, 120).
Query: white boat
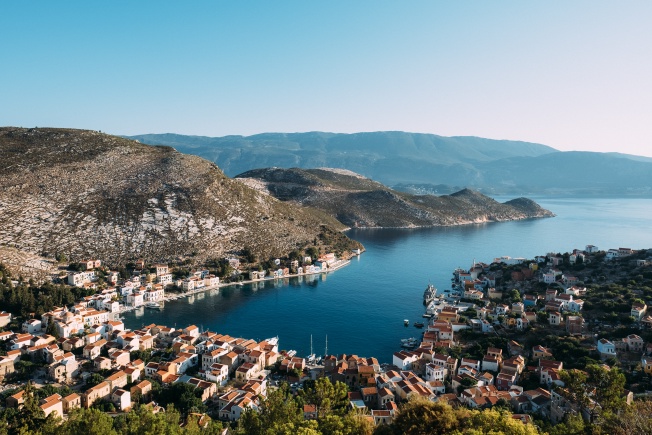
(409, 342)
(311, 358)
(406, 322)
(153, 305)
(429, 294)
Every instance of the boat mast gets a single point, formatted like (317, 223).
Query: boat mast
(310, 344)
(326, 350)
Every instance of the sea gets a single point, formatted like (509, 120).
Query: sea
(360, 309)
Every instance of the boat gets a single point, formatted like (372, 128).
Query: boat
(153, 305)
(426, 316)
(409, 342)
(312, 357)
(418, 324)
(406, 322)
(429, 294)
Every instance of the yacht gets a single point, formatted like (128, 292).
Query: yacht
(153, 305)
(429, 294)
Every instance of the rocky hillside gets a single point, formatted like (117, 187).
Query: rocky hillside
(358, 201)
(87, 194)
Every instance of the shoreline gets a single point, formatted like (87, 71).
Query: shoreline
(174, 296)
(461, 224)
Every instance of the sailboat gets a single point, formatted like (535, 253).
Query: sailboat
(310, 358)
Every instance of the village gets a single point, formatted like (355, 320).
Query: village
(470, 354)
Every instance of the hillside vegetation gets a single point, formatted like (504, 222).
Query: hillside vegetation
(358, 201)
(87, 194)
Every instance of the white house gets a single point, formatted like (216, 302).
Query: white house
(638, 311)
(575, 305)
(5, 319)
(591, 249)
(155, 294)
(165, 280)
(218, 373)
(606, 348)
(211, 281)
(78, 279)
(502, 309)
(135, 299)
(435, 372)
(554, 318)
(122, 399)
(403, 360)
(32, 326)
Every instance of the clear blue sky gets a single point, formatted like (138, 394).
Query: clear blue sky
(570, 74)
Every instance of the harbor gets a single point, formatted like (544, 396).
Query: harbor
(435, 303)
(362, 307)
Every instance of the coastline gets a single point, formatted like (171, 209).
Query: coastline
(459, 224)
(174, 296)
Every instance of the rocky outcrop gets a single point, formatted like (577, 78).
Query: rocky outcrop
(88, 194)
(358, 201)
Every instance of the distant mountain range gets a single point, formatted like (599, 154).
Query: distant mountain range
(426, 163)
(357, 201)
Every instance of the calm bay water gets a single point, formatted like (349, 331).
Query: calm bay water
(361, 307)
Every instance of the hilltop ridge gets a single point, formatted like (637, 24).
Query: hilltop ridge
(86, 194)
(428, 163)
(360, 202)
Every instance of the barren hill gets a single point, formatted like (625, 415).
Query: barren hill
(358, 201)
(87, 194)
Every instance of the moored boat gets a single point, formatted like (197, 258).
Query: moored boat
(409, 342)
(429, 294)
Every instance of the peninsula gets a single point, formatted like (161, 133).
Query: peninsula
(357, 201)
